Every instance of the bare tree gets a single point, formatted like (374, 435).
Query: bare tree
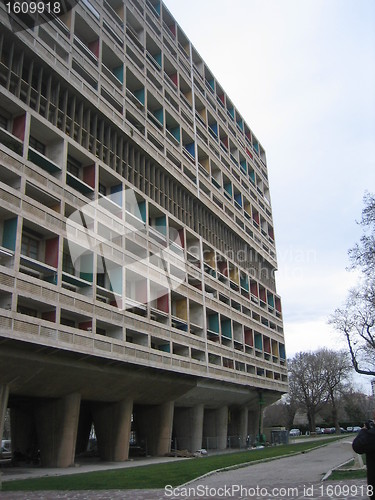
(337, 370)
(316, 379)
(307, 384)
(356, 320)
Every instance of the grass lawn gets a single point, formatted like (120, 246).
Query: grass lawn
(339, 475)
(158, 475)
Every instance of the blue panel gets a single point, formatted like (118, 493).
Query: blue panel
(191, 148)
(213, 127)
(165, 348)
(243, 166)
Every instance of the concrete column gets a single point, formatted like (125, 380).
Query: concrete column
(244, 420)
(112, 423)
(4, 395)
(164, 436)
(188, 427)
(57, 423)
(216, 428)
(222, 427)
(154, 425)
(23, 431)
(84, 428)
(253, 424)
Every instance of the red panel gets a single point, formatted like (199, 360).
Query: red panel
(52, 252)
(163, 303)
(94, 47)
(254, 288)
(49, 316)
(85, 325)
(89, 175)
(267, 344)
(249, 338)
(19, 127)
(182, 237)
(174, 79)
(249, 153)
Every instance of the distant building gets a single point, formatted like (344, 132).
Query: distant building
(137, 249)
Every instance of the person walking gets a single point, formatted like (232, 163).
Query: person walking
(364, 442)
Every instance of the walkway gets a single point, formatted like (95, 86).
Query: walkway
(297, 477)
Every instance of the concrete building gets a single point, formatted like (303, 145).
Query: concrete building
(137, 252)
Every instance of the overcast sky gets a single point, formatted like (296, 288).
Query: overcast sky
(302, 74)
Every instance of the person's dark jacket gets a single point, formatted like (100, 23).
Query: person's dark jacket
(364, 442)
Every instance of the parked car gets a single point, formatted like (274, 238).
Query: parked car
(349, 429)
(294, 432)
(356, 428)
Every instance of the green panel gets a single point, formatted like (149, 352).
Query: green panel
(165, 348)
(258, 342)
(159, 115)
(161, 224)
(140, 95)
(119, 73)
(77, 184)
(213, 322)
(43, 162)
(228, 188)
(86, 272)
(10, 233)
(245, 282)
(176, 132)
(270, 300)
(226, 328)
(142, 210)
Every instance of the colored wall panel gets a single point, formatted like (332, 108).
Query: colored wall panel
(52, 251)
(10, 233)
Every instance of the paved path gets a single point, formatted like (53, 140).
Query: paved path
(294, 478)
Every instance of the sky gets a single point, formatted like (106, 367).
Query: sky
(302, 75)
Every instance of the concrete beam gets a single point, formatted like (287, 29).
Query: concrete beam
(57, 424)
(112, 422)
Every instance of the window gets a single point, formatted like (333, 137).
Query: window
(37, 145)
(3, 122)
(27, 310)
(73, 166)
(68, 266)
(29, 246)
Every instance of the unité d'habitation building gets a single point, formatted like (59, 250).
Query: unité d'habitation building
(137, 251)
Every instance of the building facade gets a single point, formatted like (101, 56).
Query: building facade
(137, 252)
